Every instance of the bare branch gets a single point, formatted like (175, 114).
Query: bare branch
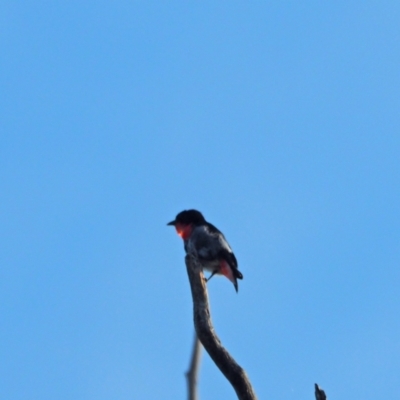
(193, 371)
(319, 393)
(207, 336)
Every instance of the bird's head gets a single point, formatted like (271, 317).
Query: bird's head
(185, 221)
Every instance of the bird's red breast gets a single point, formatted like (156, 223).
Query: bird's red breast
(184, 231)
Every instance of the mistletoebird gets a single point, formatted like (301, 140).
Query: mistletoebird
(208, 244)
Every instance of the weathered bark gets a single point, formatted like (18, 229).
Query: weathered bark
(319, 393)
(193, 371)
(207, 336)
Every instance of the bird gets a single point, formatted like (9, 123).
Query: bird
(208, 244)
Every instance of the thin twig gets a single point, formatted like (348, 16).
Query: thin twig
(319, 393)
(193, 371)
(235, 374)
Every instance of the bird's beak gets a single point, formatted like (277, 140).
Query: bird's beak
(171, 223)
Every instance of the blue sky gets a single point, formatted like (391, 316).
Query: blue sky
(278, 120)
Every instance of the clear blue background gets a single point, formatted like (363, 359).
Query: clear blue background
(280, 121)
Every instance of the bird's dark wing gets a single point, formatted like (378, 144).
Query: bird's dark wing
(212, 229)
(219, 238)
(230, 258)
(225, 252)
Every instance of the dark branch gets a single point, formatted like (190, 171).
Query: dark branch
(193, 371)
(207, 336)
(319, 393)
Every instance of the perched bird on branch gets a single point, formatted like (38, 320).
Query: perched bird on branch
(208, 244)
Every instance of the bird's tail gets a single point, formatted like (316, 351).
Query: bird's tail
(232, 274)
